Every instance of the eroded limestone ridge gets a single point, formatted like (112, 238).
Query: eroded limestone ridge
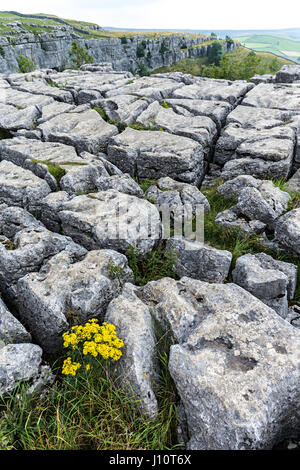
(82, 149)
(48, 46)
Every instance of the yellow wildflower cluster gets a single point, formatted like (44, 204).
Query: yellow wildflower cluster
(70, 367)
(92, 339)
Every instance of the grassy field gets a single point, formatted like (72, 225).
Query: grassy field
(279, 45)
(266, 57)
(194, 66)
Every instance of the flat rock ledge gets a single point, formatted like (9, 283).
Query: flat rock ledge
(235, 361)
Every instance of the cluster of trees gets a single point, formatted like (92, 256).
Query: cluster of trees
(79, 55)
(215, 53)
(25, 65)
(242, 69)
(216, 50)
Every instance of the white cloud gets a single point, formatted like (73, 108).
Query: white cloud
(172, 14)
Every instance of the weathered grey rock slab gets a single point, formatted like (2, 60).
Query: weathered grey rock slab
(12, 118)
(262, 153)
(217, 111)
(181, 198)
(122, 108)
(259, 118)
(277, 96)
(47, 211)
(199, 261)
(64, 293)
(258, 168)
(138, 368)
(151, 88)
(83, 173)
(176, 313)
(19, 363)
(15, 219)
(293, 183)
(151, 154)
(237, 370)
(54, 109)
(199, 128)
(287, 232)
(34, 155)
(85, 130)
(22, 99)
(232, 188)
(216, 90)
(20, 187)
(29, 249)
(11, 330)
(110, 219)
(231, 218)
(257, 200)
(288, 74)
(94, 82)
(41, 87)
(266, 78)
(272, 281)
(266, 203)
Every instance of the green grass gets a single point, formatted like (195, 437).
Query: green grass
(88, 412)
(195, 66)
(4, 134)
(84, 28)
(156, 265)
(54, 168)
(266, 58)
(9, 245)
(279, 45)
(234, 240)
(190, 66)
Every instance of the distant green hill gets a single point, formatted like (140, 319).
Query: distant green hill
(43, 22)
(279, 45)
(269, 63)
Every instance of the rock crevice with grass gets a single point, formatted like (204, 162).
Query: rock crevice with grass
(206, 333)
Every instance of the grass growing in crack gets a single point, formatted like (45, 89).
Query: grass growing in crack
(234, 240)
(156, 265)
(86, 412)
(102, 113)
(4, 134)
(9, 245)
(121, 126)
(56, 85)
(54, 169)
(295, 195)
(146, 183)
(294, 202)
(115, 271)
(165, 105)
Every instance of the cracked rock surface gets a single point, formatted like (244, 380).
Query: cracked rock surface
(88, 158)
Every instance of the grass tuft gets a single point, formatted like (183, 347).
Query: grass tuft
(54, 169)
(234, 240)
(86, 412)
(156, 265)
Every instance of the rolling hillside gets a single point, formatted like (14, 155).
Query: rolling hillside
(44, 22)
(279, 45)
(194, 66)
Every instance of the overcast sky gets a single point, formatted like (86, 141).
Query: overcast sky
(170, 14)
